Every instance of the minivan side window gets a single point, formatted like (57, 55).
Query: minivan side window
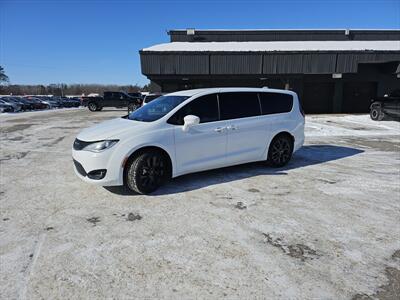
(204, 107)
(234, 105)
(275, 103)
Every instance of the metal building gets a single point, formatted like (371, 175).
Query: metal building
(331, 70)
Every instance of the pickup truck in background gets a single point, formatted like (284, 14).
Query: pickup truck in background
(389, 105)
(112, 99)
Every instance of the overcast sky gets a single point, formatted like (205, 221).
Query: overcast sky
(44, 42)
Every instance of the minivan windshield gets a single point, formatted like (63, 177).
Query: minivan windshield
(157, 108)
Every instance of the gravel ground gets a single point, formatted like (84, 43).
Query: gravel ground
(324, 227)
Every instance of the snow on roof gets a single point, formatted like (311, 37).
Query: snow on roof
(277, 46)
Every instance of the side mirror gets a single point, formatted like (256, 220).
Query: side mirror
(190, 121)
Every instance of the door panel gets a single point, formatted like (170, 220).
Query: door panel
(202, 147)
(247, 139)
(357, 96)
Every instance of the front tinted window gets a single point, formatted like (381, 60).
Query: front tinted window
(239, 105)
(205, 107)
(275, 103)
(156, 109)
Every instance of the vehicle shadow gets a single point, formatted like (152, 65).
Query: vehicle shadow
(306, 156)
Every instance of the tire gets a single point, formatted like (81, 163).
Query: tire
(99, 109)
(132, 107)
(376, 113)
(146, 172)
(93, 106)
(280, 151)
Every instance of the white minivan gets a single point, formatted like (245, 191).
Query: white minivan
(190, 131)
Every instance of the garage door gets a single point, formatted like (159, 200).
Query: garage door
(318, 97)
(357, 96)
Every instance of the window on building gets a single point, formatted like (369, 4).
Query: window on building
(236, 105)
(275, 103)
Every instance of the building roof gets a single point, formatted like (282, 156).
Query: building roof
(275, 46)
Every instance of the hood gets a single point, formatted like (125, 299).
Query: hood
(109, 129)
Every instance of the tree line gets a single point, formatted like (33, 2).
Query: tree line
(66, 89)
(63, 89)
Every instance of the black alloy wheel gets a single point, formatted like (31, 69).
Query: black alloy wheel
(280, 151)
(146, 172)
(92, 106)
(376, 114)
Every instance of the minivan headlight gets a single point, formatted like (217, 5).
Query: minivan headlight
(100, 146)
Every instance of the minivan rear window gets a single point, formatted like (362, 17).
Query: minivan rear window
(275, 103)
(236, 105)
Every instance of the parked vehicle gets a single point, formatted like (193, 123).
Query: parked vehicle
(6, 107)
(6, 101)
(190, 131)
(150, 97)
(112, 99)
(136, 95)
(18, 101)
(37, 103)
(389, 105)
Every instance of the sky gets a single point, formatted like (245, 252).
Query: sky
(98, 41)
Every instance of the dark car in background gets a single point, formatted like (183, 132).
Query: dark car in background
(18, 101)
(112, 99)
(5, 107)
(8, 102)
(388, 105)
(37, 103)
(150, 97)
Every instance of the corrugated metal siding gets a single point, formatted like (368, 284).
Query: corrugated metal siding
(282, 63)
(319, 63)
(236, 63)
(156, 63)
(348, 62)
(281, 35)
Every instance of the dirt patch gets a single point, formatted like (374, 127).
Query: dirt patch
(389, 291)
(396, 254)
(54, 142)
(240, 205)
(253, 190)
(17, 127)
(17, 138)
(299, 251)
(66, 128)
(133, 217)
(18, 155)
(93, 220)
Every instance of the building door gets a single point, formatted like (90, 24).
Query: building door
(357, 96)
(318, 97)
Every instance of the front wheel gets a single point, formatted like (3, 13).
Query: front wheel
(280, 151)
(132, 107)
(146, 172)
(92, 106)
(376, 114)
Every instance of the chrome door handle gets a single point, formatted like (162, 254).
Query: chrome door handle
(219, 129)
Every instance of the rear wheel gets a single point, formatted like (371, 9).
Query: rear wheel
(92, 106)
(280, 151)
(146, 172)
(376, 113)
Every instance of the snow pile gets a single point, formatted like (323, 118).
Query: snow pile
(349, 125)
